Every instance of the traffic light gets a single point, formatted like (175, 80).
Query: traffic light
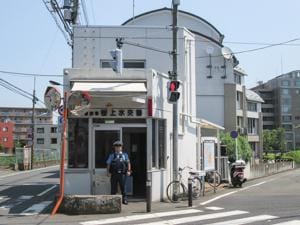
(173, 94)
(117, 63)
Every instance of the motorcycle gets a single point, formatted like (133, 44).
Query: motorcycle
(237, 173)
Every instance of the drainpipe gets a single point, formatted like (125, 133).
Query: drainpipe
(62, 160)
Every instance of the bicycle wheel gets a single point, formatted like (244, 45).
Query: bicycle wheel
(179, 195)
(197, 187)
(213, 178)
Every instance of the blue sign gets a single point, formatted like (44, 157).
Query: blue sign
(60, 120)
(234, 134)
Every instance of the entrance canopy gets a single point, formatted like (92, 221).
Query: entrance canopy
(113, 87)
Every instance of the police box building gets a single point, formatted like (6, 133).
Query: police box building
(132, 107)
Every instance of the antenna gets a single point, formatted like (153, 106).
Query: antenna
(227, 53)
(133, 7)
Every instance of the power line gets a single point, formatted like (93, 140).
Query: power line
(85, 14)
(30, 74)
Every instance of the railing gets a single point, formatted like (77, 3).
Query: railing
(224, 167)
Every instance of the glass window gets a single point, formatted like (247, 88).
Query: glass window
(237, 79)
(285, 83)
(297, 83)
(5, 139)
(53, 140)
(5, 129)
(286, 108)
(127, 64)
(53, 130)
(286, 118)
(40, 130)
(288, 136)
(285, 91)
(287, 127)
(252, 128)
(40, 141)
(252, 106)
(78, 142)
(159, 143)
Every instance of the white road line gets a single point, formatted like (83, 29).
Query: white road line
(214, 208)
(245, 220)
(16, 202)
(293, 222)
(218, 197)
(140, 217)
(36, 208)
(230, 193)
(47, 190)
(27, 171)
(198, 218)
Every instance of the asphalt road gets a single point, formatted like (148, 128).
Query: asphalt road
(26, 198)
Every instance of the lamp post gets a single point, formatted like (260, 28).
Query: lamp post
(63, 150)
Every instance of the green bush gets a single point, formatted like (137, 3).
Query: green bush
(294, 155)
(269, 156)
(6, 161)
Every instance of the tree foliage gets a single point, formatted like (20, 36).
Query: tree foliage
(243, 147)
(274, 140)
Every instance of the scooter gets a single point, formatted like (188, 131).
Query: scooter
(237, 173)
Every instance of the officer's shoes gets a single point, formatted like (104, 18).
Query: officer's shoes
(125, 202)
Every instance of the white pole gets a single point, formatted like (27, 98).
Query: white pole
(236, 150)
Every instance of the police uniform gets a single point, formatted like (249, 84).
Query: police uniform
(118, 162)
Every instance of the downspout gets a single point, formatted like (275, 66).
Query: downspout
(62, 160)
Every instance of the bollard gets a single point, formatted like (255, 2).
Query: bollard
(190, 191)
(148, 195)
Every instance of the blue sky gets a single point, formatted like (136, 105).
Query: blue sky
(31, 42)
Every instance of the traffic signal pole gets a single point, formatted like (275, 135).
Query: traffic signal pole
(175, 4)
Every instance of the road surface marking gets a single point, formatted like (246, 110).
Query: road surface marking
(27, 171)
(16, 202)
(245, 220)
(140, 217)
(293, 222)
(214, 208)
(198, 218)
(218, 197)
(255, 185)
(36, 208)
(47, 190)
(230, 193)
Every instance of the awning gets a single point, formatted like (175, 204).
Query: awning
(104, 87)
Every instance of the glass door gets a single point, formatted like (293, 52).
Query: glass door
(104, 138)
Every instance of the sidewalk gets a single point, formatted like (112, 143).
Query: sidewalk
(135, 206)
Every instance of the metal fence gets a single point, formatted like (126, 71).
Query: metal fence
(224, 167)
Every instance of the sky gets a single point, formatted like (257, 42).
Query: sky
(30, 41)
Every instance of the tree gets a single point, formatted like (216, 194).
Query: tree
(274, 140)
(243, 147)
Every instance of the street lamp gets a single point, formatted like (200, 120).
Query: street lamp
(63, 149)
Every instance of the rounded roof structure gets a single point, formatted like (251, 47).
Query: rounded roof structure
(192, 22)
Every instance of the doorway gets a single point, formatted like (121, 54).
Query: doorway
(134, 139)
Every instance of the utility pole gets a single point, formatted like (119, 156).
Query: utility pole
(32, 127)
(175, 4)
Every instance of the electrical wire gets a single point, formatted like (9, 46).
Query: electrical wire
(85, 14)
(30, 74)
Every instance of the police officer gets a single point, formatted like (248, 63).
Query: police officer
(118, 168)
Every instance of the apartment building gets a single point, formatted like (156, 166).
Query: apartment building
(22, 118)
(242, 111)
(47, 136)
(282, 105)
(6, 136)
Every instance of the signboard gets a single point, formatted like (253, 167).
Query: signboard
(209, 155)
(52, 98)
(234, 134)
(116, 113)
(61, 110)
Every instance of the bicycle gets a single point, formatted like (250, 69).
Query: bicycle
(213, 178)
(181, 189)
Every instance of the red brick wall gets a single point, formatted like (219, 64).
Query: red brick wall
(6, 132)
